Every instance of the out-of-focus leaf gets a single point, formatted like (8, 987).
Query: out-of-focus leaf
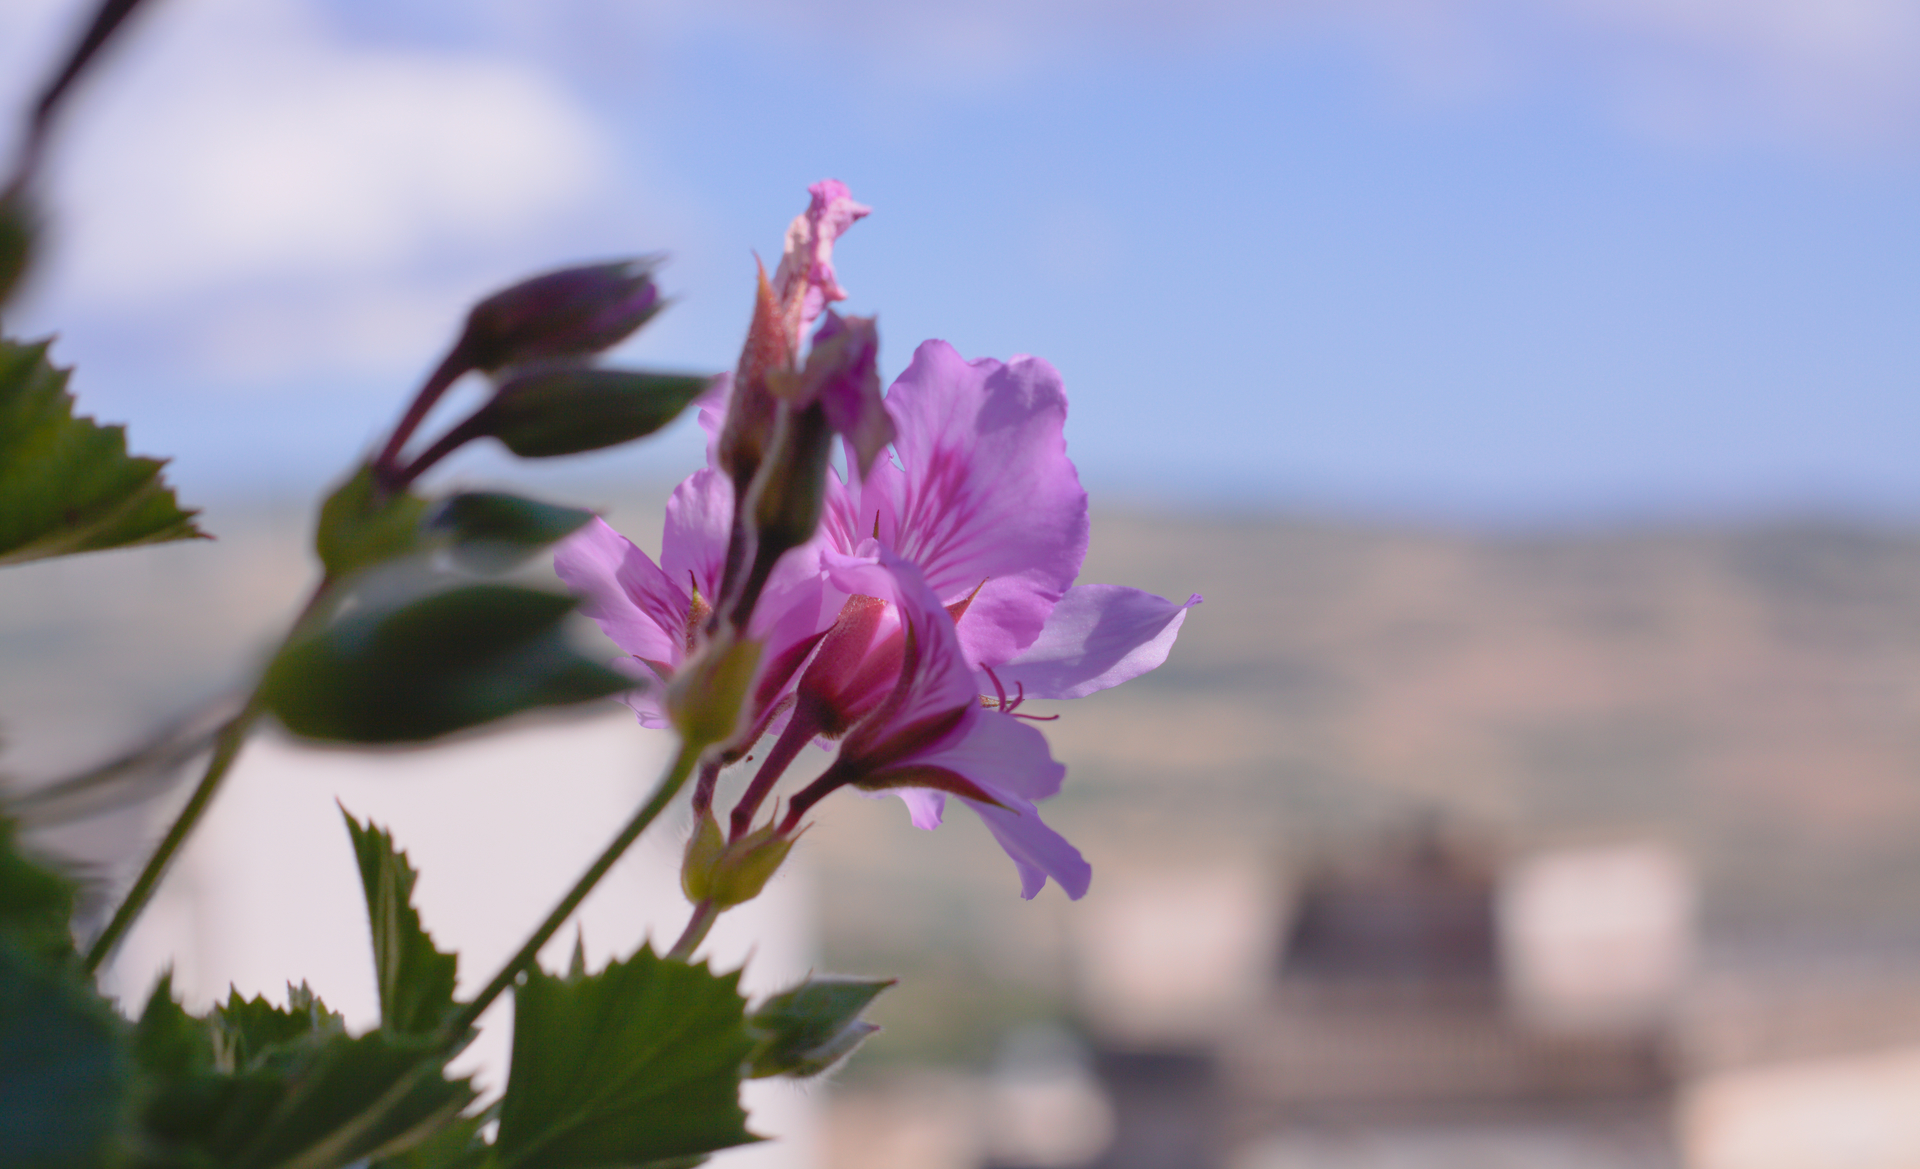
(491, 532)
(415, 980)
(431, 666)
(806, 1030)
(457, 1146)
(16, 243)
(636, 1064)
(67, 484)
(65, 1070)
(257, 1086)
(541, 413)
(245, 1029)
(36, 904)
(362, 524)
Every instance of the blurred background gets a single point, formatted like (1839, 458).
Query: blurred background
(1529, 386)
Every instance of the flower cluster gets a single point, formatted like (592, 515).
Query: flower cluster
(930, 594)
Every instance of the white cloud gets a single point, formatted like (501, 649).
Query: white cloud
(237, 140)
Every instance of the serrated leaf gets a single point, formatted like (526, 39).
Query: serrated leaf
(806, 1030)
(542, 413)
(65, 1069)
(490, 531)
(362, 524)
(245, 1030)
(636, 1064)
(36, 904)
(415, 979)
(433, 665)
(258, 1086)
(67, 483)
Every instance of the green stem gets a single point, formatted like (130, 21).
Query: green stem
(705, 913)
(226, 749)
(670, 786)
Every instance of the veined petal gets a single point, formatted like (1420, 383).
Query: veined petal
(984, 493)
(1097, 636)
(625, 593)
(693, 546)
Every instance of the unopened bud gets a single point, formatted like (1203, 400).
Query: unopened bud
(730, 874)
(570, 313)
(707, 695)
(563, 410)
(808, 1029)
(794, 486)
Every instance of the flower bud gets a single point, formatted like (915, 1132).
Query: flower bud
(730, 874)
(574, 312)
(707, 695)
(551, 410)
(808, 1029)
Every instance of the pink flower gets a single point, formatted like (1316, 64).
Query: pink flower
(937, 595)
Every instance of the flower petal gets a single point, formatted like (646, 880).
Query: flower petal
(1097, 636)
(1037, 851)
(693, 546)
(805, 279)
(635, 604)
(984, 493)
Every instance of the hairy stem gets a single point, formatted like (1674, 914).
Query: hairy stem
(670, 785)
(785, 749)
(705, 913)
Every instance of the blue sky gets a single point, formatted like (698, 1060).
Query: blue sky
(1488, 260)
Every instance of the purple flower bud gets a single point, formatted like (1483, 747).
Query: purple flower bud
(570, 313)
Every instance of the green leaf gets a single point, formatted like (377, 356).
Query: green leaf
(362, 524)
(433, 665)
(415, 980)
(65, 1068)
(457, 1146)
(636, 1064)
(36, 905)
(806, 1030)
(491, 532)
(16, 243)
(258, 1086)
(565, 410)
(245, 1030)
(67, 484)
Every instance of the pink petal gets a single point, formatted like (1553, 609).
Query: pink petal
(1037, 851)
(807, 260)
(984, 493)
(925, 806)
(1097, 636)
(624, 592)
(693, 545)
(843, 373)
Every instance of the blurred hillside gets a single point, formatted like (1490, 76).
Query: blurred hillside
(1749, 695)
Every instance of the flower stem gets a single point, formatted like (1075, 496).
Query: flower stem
(705, 913)
(226, 749)
(670, 785)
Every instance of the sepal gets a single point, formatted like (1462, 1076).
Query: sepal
(806, 1030)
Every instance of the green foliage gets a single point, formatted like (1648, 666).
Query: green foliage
(67, 484)
(637, 1064)
(257, 1086)
(35, 904)
(416, 980)
(490, 531)
(441, 663)
(16, 243)
(65, 1075)
(362, 524)
(543, 413)
(806, 1030)
(65, 1071)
